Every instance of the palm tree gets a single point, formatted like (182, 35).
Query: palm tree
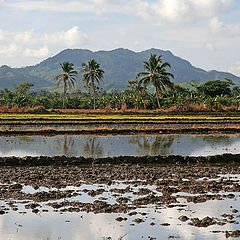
(68, 78)
(92, 74)
(156, 74)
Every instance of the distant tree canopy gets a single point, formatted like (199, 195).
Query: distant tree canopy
(23, 88)
(216, 88)
(215, 95)
(156, 73)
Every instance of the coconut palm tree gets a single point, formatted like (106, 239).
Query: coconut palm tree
(92, 75)
(68, 78)
(156, 74)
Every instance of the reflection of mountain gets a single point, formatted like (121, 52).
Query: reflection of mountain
(92, 147)
(25, 139)
(152, 145)
(218, 139)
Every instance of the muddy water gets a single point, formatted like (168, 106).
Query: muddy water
(22, 224)
(119, 145)
(82, 226)
(119, 202)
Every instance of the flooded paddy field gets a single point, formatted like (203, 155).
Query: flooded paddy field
(125, 201)
(193, 194)
(101, 146)
(25, 125)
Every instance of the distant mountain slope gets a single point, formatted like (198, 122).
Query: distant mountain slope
(120, 66)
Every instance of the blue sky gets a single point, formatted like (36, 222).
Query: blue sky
(205, 32)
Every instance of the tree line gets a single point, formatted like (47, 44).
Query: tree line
(153, 88)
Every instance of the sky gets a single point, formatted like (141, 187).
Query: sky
(204, 32)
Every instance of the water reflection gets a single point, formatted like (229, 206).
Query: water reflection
(92, 147)
(89, 226)
(125, 145)
(156, 145)
(66, 146)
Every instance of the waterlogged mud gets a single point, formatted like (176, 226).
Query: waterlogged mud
(125, 131)
(185, 196)
(208, 182)
(81, 161)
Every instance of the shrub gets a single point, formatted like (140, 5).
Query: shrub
(4, 109)
(124, 107)
(38, 109)
(108, 108)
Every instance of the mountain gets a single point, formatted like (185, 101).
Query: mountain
(120, 66)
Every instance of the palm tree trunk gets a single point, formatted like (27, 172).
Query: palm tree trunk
(94, 98)
(159, 106)
(94, 94)
(64, 94)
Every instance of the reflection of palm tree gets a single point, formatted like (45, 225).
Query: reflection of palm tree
(92, 148)
(160, 145)
(68, 147)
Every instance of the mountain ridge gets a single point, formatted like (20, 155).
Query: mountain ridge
(120, 66)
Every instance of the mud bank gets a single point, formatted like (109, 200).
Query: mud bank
(81, 161)
(127, 131)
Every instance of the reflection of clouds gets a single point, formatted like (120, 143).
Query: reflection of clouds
(99, 226)
(216, 149)
(111, 146)
(104, 225)
(53, 226)
(214, 208)
(18, 153)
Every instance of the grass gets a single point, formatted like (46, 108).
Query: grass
(13, 116)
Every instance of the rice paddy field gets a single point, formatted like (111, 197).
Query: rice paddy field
(119, 176)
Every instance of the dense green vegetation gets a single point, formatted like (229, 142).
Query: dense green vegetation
(212, 95)
(177, 99)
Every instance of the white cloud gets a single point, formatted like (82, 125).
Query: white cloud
(175, 11)
(216, 25)
(37, 53)
(210, 46)
(31, 44)
(158, 11)
(95, 6)
(11, 50)
(51, 5)
(235, 69)
(225, 30)
(71, 38)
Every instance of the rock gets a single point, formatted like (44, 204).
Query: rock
(205, 222)
(120, 219)
(183, 218)
(165, 224)
(138, 220)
